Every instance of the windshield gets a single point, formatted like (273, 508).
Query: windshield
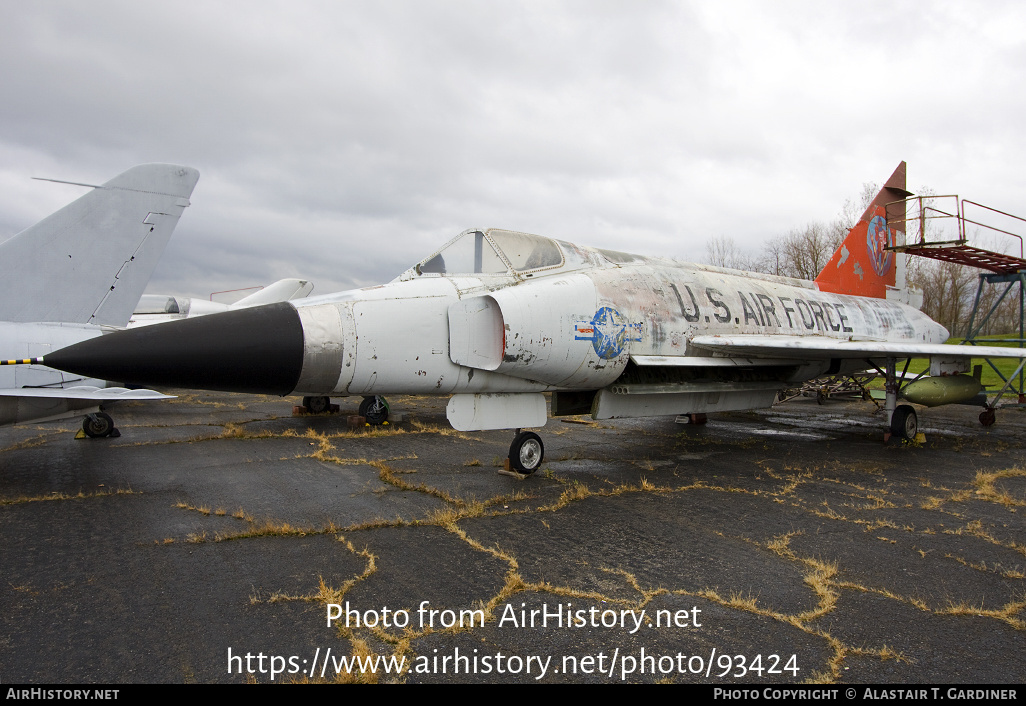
(475, 253)
(471, 253)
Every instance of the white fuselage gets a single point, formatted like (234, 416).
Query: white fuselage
(575, 329)
(610, 334)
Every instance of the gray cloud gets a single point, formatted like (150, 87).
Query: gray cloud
(345, 141)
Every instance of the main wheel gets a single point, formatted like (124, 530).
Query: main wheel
(526, 452)
(904, 423)
(987, 417)
(98, 425)
(374, 410)
(316, 405)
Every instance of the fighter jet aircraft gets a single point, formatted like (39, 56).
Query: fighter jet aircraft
(76, 274)
(159, 308)
(496, 317)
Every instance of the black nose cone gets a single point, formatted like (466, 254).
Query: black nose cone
(250, 350)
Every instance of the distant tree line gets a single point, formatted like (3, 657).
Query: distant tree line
(949, 290)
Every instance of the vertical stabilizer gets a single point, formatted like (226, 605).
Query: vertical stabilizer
(90, 261)
(862, 265)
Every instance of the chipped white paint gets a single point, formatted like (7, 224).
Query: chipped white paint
(469, 321)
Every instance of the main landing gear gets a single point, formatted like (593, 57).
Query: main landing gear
(316, 405)
(526, 452)
(903, 422)
(98, 425)
(374, 410)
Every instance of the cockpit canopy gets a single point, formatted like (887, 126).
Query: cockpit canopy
(157, 304)
(493, 252)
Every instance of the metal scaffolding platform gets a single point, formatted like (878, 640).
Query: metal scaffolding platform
(937, 227)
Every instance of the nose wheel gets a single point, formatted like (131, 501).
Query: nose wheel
(98, 425)
(526, 452)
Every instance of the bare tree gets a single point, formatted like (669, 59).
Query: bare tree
(854, 207)
(803, 252)
(948, 291)
(722, 251)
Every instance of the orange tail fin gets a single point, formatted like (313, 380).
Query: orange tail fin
(862, 265)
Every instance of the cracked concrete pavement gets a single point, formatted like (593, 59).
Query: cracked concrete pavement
(781, 546)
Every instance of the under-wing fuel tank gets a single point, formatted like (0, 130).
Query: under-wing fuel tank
(939, 390)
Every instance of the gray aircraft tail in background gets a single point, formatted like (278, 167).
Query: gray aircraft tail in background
(76, 271)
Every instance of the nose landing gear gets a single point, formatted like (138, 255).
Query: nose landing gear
(526, 452)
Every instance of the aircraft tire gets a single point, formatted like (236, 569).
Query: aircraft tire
(987, 417)
(374, 410)
(904, 423)
(98, 425)
(316, 405)
(526, 453)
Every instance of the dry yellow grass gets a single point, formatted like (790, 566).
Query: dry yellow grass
(63, 496)
(987, 488)
(782, 485)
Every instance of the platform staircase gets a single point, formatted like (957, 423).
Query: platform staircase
(940, 228)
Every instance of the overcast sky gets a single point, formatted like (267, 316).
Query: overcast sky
(344, 141)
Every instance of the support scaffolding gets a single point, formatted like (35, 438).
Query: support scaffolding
(1013, 382)
(937, 227)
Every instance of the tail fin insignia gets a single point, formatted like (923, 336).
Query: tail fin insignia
(863, 265)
